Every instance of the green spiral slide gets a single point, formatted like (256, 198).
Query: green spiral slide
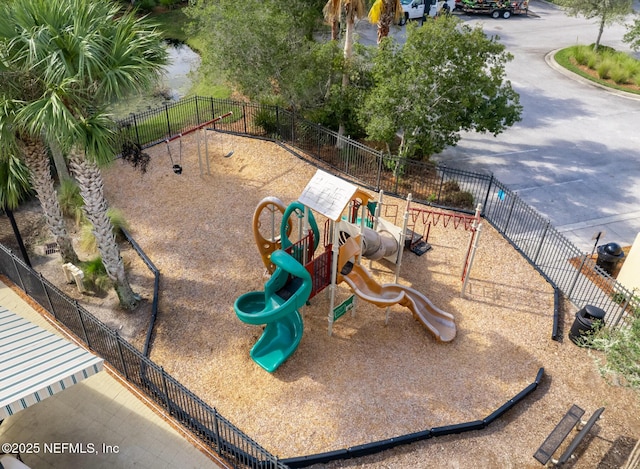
(277, 306)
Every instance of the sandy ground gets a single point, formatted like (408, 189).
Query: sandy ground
(370, 380)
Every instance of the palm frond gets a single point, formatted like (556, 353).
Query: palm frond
(376, 11)
(15, 184)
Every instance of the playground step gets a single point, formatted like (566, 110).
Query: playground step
(420, 248)
(411, 238)
(290, 288)
(559, 434)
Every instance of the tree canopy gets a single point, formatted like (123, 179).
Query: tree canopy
(607, 12)
(447, 78)
(264, 48)
(632, 37)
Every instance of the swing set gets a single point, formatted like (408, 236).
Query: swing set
(176, 164)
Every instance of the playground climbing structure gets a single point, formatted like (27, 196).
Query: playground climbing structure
(288, 237)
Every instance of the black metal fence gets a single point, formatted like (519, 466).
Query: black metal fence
(548, 251)
(193, 413)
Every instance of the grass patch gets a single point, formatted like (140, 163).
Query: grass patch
(607, 67)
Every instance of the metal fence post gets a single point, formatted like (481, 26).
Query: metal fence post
(135, 126)
(441, 183)
(506, 225)
(379, 175)
(244, 117)
(124, 364)
(216, 428)
(486, 197)
(46, 292)
(166, 111)
(544, 234)
(15, 267)
(165, 389)
(197, 111)
(84, 330)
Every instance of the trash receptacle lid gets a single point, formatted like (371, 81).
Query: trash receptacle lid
(613, 248)
(593, 312)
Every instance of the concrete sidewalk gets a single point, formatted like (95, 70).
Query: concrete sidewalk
(101, 413)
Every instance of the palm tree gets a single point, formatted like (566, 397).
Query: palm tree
(332, 12)
(83, 54)
(383, 13)
(31, 148)
(353, 9)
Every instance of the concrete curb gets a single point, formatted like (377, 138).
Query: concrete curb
(551, 61)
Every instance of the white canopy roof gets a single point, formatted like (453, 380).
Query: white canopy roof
(327, 194)
(36, 364)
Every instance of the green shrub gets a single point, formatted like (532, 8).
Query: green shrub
(146, 5)
(582, 54)
(267, 119)
(70, 200)
(452, 196)
(604, 68)
(619, 75)
(95, 275)
(621, 349)
(169, 3)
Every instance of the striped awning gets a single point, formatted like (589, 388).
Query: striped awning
(36, 364)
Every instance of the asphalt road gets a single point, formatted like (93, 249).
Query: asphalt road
(575, 156)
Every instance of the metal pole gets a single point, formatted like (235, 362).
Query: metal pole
(402, 236)
(124, 365)
(473, 255)
(379, 175)
(135, 126)
(84, 331)
(206, 149)
(506, 225)
(474, 226)
(46, 292)
(486, 197)
(334, 274)
(375, 218)
(544, 234)
(199, 154)
(166, 111)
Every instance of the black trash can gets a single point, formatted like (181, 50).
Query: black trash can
(585, 322)
(609, 255)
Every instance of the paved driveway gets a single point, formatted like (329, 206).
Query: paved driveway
(575, 156)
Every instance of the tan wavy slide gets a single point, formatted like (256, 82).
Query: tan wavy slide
(440, 323)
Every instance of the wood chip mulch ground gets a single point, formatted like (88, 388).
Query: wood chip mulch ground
(370, 380)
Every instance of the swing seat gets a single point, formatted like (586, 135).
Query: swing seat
(177, 169)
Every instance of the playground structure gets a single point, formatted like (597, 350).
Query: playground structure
(284, 294)
(176, 164)
(298, 274)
